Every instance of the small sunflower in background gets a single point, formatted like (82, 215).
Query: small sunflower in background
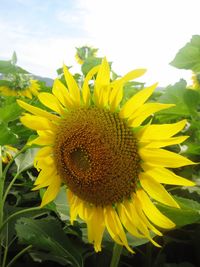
(19, 85)
(8, 152)
(195, 81)
(112, 163)
(84, 52)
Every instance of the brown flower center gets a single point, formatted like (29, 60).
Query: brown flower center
(96, 155)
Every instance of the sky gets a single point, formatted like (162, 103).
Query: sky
(132, 34)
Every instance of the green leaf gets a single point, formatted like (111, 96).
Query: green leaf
(177, 94)
(47, 235)
(188, 57)
(4, 83)
(187, 214)
(62, 205)
(25, 160)
(191, 99)
(10, 112)
(7, 137)
(89, 63)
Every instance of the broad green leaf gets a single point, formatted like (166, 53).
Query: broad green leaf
(191, 99)
(189, 212)
(25, 160)
(175, 94)
(7, 137)
(4, 83)
(10, 112)
(188, 57)
(48, 235)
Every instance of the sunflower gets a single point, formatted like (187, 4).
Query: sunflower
(8, 152)
(112, 163)
(84, 52)
(20, 85)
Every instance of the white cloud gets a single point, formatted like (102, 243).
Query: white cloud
(142, 33)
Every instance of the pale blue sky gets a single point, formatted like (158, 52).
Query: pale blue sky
(132, 34)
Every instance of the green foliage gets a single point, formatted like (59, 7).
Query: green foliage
(48, 235)
(48, 231)
(188, 213)
(188, 57)
(7, 137)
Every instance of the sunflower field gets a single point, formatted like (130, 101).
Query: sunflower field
(97, 169)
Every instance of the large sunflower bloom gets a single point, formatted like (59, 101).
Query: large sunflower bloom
(28, 89)
(112, 167)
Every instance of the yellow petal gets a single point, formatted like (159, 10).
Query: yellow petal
(163, 158)
(115, 97)
(95, 234)
(160, 132)
(145, 111)
(102, 81)
(43, 162)
(127, 222)
(37, 122)
(44, 175)
(75, 203)
(45, 138)
(152, 212)
(131, 211)
(133, 75)
(136, 101)
(115, 228)
(163, 143)
(156, 190)
(51, 102)
(38, 111)
(165, 176)
(129, 76)
(86, 89)
(51, 191)
(47, 182)
(62, 94)
(144, 218)
(72, 86)
(44, 152)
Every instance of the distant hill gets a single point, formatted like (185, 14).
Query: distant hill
(48, 81)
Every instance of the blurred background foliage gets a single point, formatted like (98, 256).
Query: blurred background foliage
(44, 237)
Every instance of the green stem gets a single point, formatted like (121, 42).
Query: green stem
(9, 187)
(1, 197)
(5, 256)
(1, 187)
(18, 255)
(16, 214)
(12, 160)
(117, 249)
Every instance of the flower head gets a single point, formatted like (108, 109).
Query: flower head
(8, 152)
(113, 165)
(84, 52)
(19, 85)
